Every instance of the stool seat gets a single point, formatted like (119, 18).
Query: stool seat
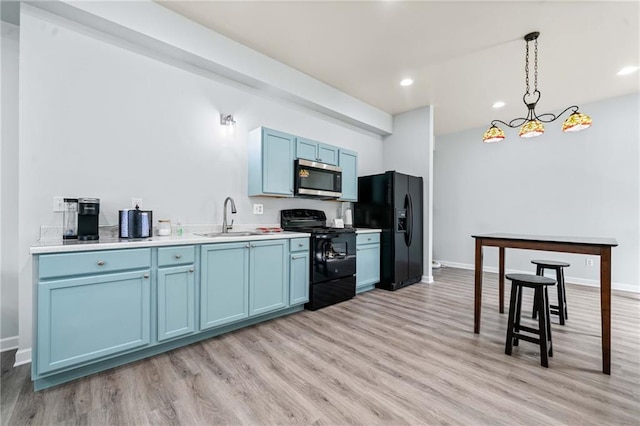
(551, 263)
(558, 266)
(529, 280)
(541, 304)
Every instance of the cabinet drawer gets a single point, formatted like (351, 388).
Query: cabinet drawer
(299, 244)
(178, 255)
(93, 262)
(368, 238)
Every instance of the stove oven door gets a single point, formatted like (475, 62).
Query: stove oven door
(334, 256)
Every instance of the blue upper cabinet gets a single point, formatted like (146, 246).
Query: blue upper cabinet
(271, 155)
(316, 151)
(306, 149)
(348, 161)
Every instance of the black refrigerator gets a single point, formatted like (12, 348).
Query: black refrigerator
(392, 201)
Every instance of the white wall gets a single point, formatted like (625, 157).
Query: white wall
(100, 120)
(573, 184)
(9, 189)
(409, 150)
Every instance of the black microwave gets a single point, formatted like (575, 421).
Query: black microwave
(318, 180)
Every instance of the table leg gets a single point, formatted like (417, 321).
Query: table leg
(478, 287)
(501, 279)
(605, 307)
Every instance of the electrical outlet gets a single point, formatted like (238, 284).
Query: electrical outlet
(258, 209)
(58, 204)
(588, 262)
(136, 202)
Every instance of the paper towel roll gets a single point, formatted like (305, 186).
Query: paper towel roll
(348, 219)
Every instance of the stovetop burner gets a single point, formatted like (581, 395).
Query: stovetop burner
(322, 230)
(308, 220)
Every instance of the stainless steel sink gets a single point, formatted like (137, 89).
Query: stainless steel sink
(229, 234)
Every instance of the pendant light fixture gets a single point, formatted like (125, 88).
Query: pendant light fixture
(533, 124)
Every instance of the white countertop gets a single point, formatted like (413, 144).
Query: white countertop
(368, 231)
(108, 243)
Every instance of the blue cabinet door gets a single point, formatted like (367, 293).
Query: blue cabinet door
(327, 154)
(268, 277)
(367, 266)
(224, 284)
(316, 151)
(306, 149)
(83, 319)
(277, 162)
(299, 278)
(348, 161)
(176, 301)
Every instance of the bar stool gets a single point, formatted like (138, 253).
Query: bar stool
(541, 302)
(561, 308)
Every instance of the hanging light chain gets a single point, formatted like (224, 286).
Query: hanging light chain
(535, 66)
(526, 69)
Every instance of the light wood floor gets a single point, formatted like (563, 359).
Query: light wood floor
(404, 357)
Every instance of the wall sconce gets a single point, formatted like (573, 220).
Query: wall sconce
(227, 120)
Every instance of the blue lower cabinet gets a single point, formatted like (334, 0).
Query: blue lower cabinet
(87, 321)
(367, 262)
(299, 271)
(268, 285)
(84, 319)
(224, 284)
(176, 302)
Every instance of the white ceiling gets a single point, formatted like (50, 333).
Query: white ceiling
(463, 56)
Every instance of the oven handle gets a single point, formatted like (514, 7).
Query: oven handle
(326, 236)
(337, 256)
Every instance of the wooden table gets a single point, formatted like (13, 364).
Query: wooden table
(594, 246)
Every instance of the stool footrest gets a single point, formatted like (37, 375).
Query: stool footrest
(530, 330)
(526, 337)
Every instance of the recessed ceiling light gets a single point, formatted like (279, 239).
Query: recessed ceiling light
(627, 70)
(406, 82)
(499, 104)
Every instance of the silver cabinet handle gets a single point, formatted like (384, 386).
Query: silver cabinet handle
(253, 245)
(178, 256)
(300, 245)
(358, 249)
(298, 257)
(145, 276)
(368, 239)
(100, 262)
(247, 246)
(191, 270)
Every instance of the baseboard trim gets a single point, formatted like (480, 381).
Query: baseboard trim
(427, 279)
(23, 356)
(571, 280)
(8, 343)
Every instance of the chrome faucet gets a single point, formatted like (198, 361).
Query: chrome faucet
(225, 227)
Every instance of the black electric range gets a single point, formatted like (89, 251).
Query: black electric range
(333, 256)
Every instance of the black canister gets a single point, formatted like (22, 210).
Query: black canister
(135, 223)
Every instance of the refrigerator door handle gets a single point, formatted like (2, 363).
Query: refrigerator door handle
(408, 236)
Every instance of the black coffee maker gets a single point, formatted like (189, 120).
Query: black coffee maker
(88, 211)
